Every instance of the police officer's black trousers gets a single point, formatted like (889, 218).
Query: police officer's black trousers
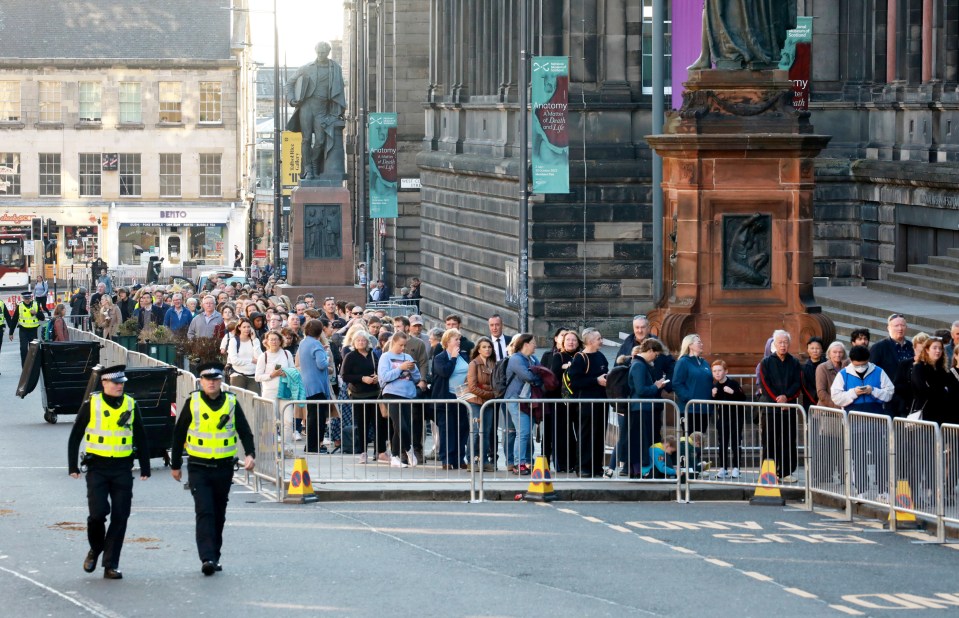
(26, 336)
(108, 489)
(210, 487)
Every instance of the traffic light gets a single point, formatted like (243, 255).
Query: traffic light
(37, 229)
(50, 241)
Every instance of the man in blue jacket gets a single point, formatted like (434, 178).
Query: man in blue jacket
(177, 317)
(315, 371)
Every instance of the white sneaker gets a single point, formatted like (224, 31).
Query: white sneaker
(288, 453)
(789, 479)
(362, 459)
(396, 463)
(297, 436)
(734, 473)
(412, 458)
(722, 474)
(883, 497)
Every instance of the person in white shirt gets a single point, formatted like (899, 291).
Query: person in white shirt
(269, 370)
(243, 350)
(500, 341)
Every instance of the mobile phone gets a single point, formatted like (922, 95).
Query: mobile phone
(276, 366)
(666, 381)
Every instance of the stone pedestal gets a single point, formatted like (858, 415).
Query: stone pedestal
(738, 205)
(321, 238)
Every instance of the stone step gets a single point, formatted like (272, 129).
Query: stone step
(937, 272)
(946, 261)
(915, 292)
(952, 252)
(920, 281)
(844, 330)
(868, 308)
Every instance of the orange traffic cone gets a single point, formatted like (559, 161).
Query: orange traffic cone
(904, 501)
(768, 494)
(541, 483)
(300, 488)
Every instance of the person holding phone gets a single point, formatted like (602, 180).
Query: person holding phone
(270, 368)
(586, 377)
(398, 375)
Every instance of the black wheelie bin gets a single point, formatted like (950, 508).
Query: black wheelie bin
(65, 370)
(154, 389)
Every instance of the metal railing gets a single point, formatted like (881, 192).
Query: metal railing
(728, 442)
(267, 477)
(828, 445)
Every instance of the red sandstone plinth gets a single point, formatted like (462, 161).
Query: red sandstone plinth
(311, 238)
(738, 179)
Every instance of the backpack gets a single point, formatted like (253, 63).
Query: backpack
(499, 381)
(617, 386)
(47, 333)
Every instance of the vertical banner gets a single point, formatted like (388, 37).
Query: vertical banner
(550, 104)
(290, 161)
(797, 59)
(686, 37)
(381, 131)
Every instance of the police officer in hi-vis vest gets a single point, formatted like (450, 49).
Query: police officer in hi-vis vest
(112, 429)
(208, 427)
(27, 315)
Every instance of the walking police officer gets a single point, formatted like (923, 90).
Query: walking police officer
(113, 430)
(210, 422)
(26, 317)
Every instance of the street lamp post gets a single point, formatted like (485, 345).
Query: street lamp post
(277, 195)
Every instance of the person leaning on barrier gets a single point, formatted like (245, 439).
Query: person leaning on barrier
(111, 425)
(640, 423)
(60, 330)
(26, 316)
(208, 427)
(780, 382)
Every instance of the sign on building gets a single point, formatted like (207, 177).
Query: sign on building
(550, 108)
(383, 166)
(797, 59)
(290, 160)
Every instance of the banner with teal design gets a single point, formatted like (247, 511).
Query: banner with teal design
(381, 131)
(550, 109)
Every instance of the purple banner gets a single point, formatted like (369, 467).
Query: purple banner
(687, 32)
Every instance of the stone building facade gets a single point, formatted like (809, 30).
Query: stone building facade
(884, 85)
(135, 145)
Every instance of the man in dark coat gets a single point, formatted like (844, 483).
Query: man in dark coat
(780, 381)
(888, 355)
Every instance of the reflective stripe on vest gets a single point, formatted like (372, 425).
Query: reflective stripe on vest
(203, 439)
(27, 319)
(104, 437)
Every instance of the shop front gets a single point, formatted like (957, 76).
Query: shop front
(182, 235)
(76, 231)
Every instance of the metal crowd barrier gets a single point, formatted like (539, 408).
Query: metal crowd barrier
(393, 309)
(715, 443)
(261, 414)
(416, 432)
(590, 440)
(918, 472)
(828, 445)
(871, 460)
(749, 383)
(949, 436)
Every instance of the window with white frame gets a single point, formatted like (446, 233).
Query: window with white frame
(91, 108)
(170, 174)
(171, 102)
(129, 169)
(9, 173)
(49, 172)
(130, 103)
(648, 48)
(90, 163)
(211, 102)
(9, 101)
(51, 97)
(210, 175)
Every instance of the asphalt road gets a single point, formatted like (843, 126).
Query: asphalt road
(441, 559)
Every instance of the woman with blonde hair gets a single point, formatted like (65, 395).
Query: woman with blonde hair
(108, 317)
(693, 379)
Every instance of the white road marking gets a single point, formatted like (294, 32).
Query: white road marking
(801, 593)
(847, 610)
(759, 576)
(718, 562)
(310, 608)
(595, 520)
(87, 607)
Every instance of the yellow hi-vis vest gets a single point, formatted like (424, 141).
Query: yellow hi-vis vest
(203, 439)
(3, 314)
(27, 319)
(104, 436)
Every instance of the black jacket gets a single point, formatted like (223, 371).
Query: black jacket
(140, 444)
(183, 425)
(780, 377)
(930, 387)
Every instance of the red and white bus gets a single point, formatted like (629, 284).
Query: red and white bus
(13, 262)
